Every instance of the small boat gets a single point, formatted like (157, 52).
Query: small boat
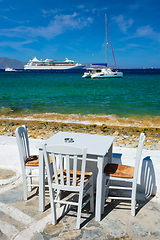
(10, 70)
(103, 72)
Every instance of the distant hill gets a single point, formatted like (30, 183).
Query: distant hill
(11, 63)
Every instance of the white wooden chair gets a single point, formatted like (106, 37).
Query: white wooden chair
(68, 179)
(124, 173)
(28, 162)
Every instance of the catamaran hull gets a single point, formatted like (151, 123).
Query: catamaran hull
(85, 75)
(110, 75)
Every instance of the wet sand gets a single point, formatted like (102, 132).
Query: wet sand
(89, 119)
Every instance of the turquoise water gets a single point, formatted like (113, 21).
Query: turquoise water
(69, 93)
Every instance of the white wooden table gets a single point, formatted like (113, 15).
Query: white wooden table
(97, 147)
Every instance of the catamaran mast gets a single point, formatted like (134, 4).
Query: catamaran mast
(106, 35)
(107, 29)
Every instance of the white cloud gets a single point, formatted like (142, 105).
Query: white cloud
(132, 45)
(15, 45)
(11, 20)
(147, 31)
(134, 6)
(60, 24)
(128, 47)
(98, 9)
(81, 6)
(50, 12)
(122, 23)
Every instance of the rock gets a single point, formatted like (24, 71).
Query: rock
(121, 145)
(134, 145)
(154, 140)
(154, 144)
(39, 137)
(116, 133)
(158, 146)
(126, 137)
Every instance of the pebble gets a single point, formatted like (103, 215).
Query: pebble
(124, 137)
(116, 133)
(158, 146)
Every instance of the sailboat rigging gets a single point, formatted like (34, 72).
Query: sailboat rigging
(97, 72)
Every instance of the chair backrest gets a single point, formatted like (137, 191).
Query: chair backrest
(27, 141)
(67, 157)
(23, 143)
(138, 155)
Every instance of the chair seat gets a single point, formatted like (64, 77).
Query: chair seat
(118, 170)
(78, 179)
(34, 160)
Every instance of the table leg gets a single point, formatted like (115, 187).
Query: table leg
(99, 188)
(110, 154)
(103, 190)
(41, 181)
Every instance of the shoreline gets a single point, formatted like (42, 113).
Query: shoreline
(98, 119)
(125, 136)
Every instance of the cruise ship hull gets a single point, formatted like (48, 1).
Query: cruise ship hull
(47, 68)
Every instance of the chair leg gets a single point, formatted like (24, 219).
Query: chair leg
(24, 187)
(59, 198)
(53, 207)
(79, 210)
(103, 193)
(29, 180)
(24, 183)
(107, 189)
(91, 196)
(133, 199)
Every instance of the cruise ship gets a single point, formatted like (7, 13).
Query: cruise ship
(48, 64)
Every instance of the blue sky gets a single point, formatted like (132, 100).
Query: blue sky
(76, 30)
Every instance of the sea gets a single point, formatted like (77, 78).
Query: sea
(133, 100)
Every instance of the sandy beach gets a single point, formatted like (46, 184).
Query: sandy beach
(125, 136)
(119, 226)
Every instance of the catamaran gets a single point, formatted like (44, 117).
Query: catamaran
(100, 70)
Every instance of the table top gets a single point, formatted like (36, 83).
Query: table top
(96, 144)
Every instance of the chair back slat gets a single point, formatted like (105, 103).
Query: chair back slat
(83, 170)
(74, 170)
(26, 139)
(61, 166)
(23, 144)
(138, 155)
(67, 157)
(54, 168)
(67, 160)
(48, 167)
